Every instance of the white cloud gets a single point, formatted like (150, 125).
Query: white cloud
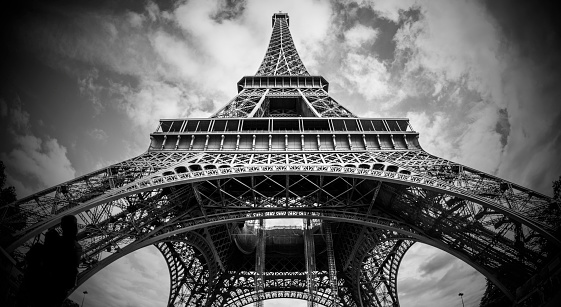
(433, 133)
(358, 35)
(98, 134)
(153, 10)
(136, 20)
(469, 138)
(89, 87)
(480, 146)
(455, 41)
(153, 100)
(367, 75)
(37, 162)
(33, 163)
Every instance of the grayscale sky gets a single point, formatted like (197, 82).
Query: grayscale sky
(83, 83)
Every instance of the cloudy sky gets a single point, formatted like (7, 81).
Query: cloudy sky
(84, 83)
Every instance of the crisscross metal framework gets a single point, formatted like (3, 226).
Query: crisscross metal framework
(283, 148)
(281, 57)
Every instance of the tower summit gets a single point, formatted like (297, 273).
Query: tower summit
(283, 148)
(281, 58)
(282, 87)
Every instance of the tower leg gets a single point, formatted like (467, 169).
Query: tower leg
(188, 278)
(331, 262)
(193, 272)
(378, 276)
(310, 251)
(260, 265)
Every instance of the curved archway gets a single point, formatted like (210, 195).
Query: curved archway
(377, 279)
(382, 224)
(110, 280)
(408, 191)
(164, 179)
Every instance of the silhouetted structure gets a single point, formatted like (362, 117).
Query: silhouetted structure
(52, 267)
(62, 260)
(31, 289)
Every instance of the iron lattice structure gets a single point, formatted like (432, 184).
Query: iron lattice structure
(283, 148)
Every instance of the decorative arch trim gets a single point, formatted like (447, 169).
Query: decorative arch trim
(158, 181)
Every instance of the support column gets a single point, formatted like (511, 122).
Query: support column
(260, 265)
(331, 263)
(310, 251)
(190, 280)
(378, 273)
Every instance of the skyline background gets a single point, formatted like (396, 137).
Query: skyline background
(84, 83)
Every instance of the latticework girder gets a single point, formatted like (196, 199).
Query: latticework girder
(265, 101)
(310, 253)
(332, 267)
(287, 95)
(455, 216)
(192, 271)
(281, 57)
(260, 265)
(378, 279)
(373, 256)
(324, 105)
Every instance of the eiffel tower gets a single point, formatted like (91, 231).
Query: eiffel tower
(363, 189)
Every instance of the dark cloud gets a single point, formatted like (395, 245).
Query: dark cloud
(534, 28)
(532, 40)
(503, 126)
(113, 6)
(384, 45)
(230, 9)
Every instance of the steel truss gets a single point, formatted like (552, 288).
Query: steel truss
(193, 197)
(281, 57)
(468, 220)
(191, 271)
(255, 102)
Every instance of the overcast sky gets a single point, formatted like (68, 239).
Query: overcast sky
(83, 84)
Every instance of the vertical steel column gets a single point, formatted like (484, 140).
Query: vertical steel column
(260, 265)
(310, 251)
(331, 263)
